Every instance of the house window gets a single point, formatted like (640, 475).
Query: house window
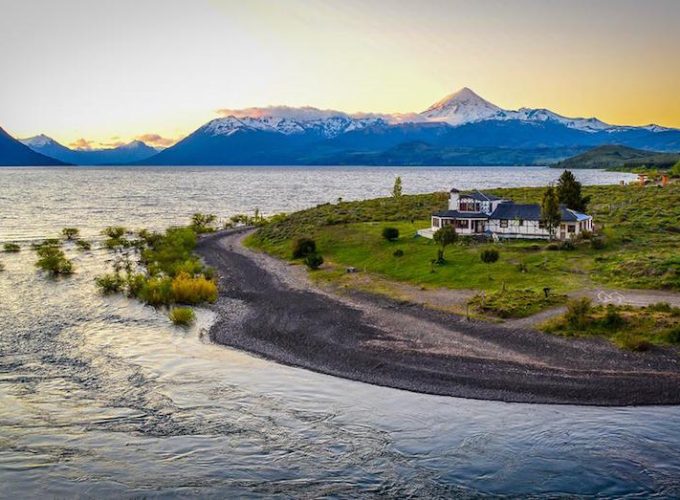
(463, 224)
(504, 222)
(520, 222)
(541, 224)
(435, 222)
(571, 228)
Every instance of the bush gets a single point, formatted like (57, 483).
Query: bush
(2, 267)
(673, 335)
(70, 233)
(398, 253)
(567, 245)
(390, 233)
(53, 260)
(83, 244)
(612, 319)
(193, 290)
(114, 232)
(203, 223)
(635, 343)
(313, 261)
(489, 255)
(578, 312)
(660, 307)
(598, 243)
(11, 248)
(110, 283)
(182, 316)
(552, 247)
(156, 291)
(302, 247)
(114, 243)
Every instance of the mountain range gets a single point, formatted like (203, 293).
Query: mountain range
(121, 155)
(461, 129)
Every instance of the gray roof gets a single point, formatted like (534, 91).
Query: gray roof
(461, 215)
(479, 196)
(510, 210)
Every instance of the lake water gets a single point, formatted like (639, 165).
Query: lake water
(103, 397)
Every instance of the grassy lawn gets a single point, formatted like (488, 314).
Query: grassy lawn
(640, 228)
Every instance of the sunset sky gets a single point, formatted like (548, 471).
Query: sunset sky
(103, 72)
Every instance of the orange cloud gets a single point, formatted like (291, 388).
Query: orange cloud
(156, 140)
(82, 143)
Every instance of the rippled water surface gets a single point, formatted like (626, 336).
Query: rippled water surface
(104, 397)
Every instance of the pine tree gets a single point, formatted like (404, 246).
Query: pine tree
(569, 192)
(551, 215)
(396, 190)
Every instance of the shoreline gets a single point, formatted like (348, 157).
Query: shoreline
(268, 308)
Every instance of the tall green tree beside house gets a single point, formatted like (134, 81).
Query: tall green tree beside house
(675, 171)
(569, 192)
(396, 190)
(444, 237)
(551, 215)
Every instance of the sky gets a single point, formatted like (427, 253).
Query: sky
(103, 72)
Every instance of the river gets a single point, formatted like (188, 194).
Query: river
(101, 396)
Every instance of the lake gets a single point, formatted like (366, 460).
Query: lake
(101, 396)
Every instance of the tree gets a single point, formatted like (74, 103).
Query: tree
(396, 190)
(202, 223)
(551, 215)
(675, 171)
(569, 192)
(302, 247)
(444, 237)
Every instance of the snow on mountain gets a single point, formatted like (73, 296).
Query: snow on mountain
(461, 107)
(289, 121)
(38, 141)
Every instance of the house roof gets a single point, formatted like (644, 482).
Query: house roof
(455, 214)
(479, 196)
(510, 210)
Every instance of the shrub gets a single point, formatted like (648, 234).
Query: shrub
(83, 244)
(660, 307)
(635, 343)
(313, 261)
(114, 232)
(114, 243)
(156, 291)
(552, 247)
(598, 243)
(193, 290)
(612, 319)
(398, 253)
(170, 252)
(182, 316)
(53, 260)
(567, 245)
(110, 283)
(302, 247)
(673, 335)
(489, 255)
(70, 233)
(2, 267)
(578, 312)
(203, 223)
(390, 233)
(11, 248)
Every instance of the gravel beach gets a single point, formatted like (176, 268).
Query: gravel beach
(269, 308)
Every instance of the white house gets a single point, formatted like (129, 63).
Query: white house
(477, 213)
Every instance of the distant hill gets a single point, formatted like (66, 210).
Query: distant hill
(14, 153)
(614, 156)
(121, 155)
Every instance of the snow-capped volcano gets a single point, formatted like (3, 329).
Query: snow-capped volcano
(289, 121)
(461, 107)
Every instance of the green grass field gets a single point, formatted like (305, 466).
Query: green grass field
(641, 228)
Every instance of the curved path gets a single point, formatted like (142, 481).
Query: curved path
(269, 308)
